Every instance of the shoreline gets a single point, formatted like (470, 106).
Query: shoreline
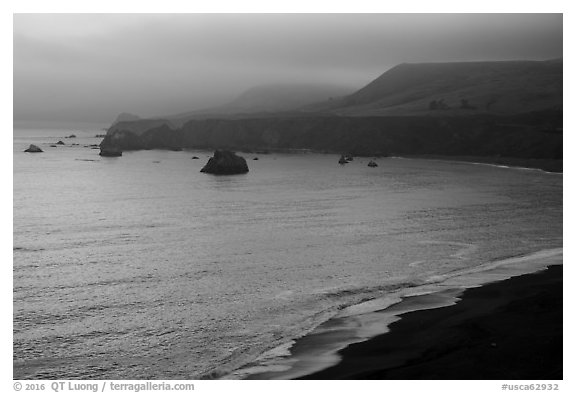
(345, 346)
(546, 165)
(504, 330)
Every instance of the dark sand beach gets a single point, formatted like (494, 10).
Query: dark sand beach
(510, 329)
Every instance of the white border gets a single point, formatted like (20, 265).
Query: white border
(249, 6)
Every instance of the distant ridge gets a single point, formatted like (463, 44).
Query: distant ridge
(268, 99)
(496, 87)
(283, 97)
(494, 110)
(408, 89)
(139, 127)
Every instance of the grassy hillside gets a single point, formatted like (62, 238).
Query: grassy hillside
(502, 88)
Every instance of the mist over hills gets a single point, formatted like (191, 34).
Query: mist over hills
(125, 117)
(283, 100)
(490, 109)
(284, 97)
(266, 99)
(140, 126)
(408, 89)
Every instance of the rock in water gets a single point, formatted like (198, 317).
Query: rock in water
(372, 164)
(33, 149)
(225, 163)
(60, 143)
(110, 152)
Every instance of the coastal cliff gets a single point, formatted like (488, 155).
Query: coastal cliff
(510, 109)
(535, 135)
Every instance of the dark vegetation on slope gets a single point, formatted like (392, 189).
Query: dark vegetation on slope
(456, 89)
(532, 135)
(497, 110)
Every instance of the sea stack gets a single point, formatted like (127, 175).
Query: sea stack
(110, 152)
(33, 149)
(225, 163)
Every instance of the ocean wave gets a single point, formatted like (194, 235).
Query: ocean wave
(480, 163)
(27, 249)
(441, 290)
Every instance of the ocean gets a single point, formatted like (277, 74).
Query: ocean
(141, 267)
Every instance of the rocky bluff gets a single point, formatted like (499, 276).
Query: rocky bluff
(225, 162)
(529, 135)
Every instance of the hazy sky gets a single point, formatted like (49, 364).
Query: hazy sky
(90, 67)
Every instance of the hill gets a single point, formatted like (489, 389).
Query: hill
(283, 97)
(266, 100)
(138, 127)
(499, 111)
(456, 89)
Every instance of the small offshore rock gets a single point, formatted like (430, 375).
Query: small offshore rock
(33, 149)
(60, 143)
(225, 162)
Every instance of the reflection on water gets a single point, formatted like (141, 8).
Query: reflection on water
(134, 268)
(225, 182)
